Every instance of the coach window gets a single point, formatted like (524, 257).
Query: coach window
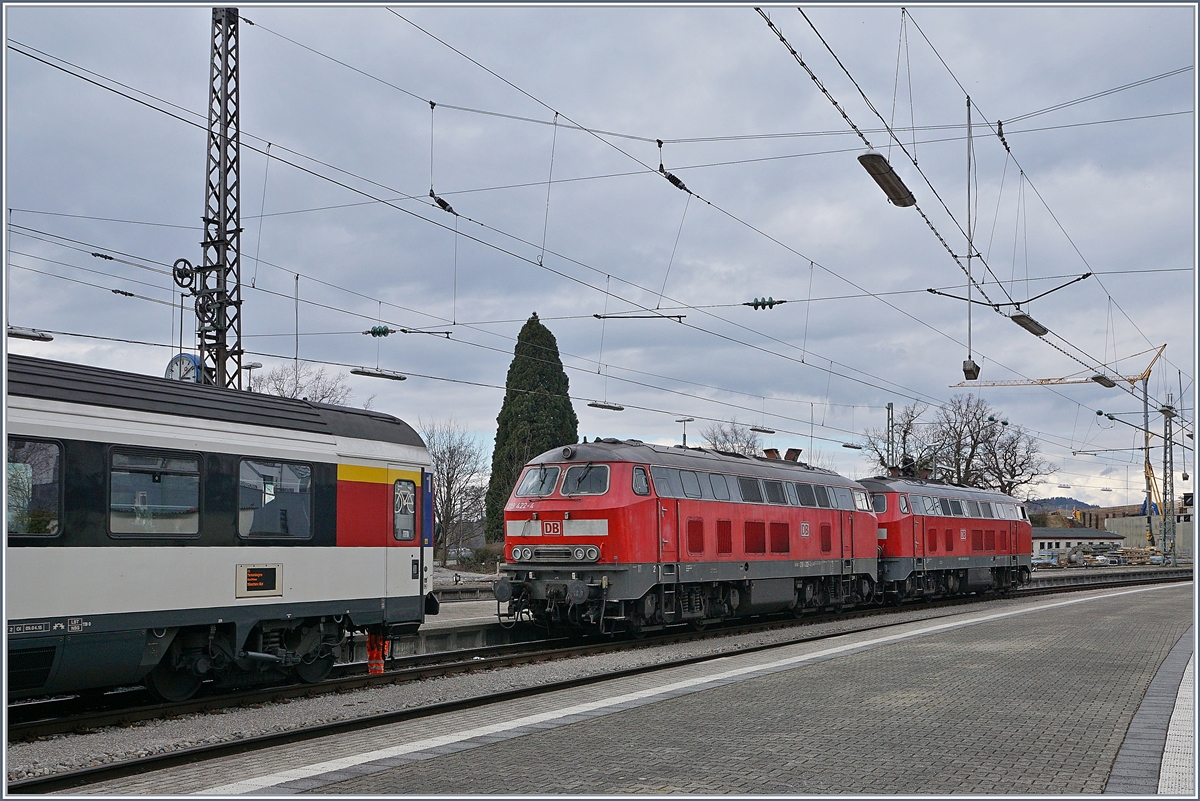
(538, 481)
(274, 499)
(690, 482)
(973, 509)
(404, 517)
(751, 492)
(822, 496)
(641, 481)
(807, 496)
(986, 509)
(720, 487)
(775, 492)
(154, 494)
(956, 507)
(34, 487)
(588, 479)
(903, 504)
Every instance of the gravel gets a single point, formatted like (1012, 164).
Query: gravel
(66, 752)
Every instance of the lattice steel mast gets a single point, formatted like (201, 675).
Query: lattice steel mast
(216, 283)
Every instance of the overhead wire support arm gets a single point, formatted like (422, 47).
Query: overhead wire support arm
(1016, 303)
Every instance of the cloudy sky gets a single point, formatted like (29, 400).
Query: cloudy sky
(544, 132)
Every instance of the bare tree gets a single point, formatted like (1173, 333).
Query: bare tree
(460, 481)
(966, 443)
(292, 380)
(733, 437)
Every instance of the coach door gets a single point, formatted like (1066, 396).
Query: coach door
(668, 530)
(405, 556)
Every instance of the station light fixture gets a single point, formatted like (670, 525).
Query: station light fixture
(29, 333)
(878, 168)
(1029, 324)
(762, 430)
(1104, 381)
(612, 407)
(854, 446)
(375, 372)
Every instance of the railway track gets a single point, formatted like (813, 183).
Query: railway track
(481, 659)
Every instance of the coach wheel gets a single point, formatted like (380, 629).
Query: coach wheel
(316, 670)
(170, 685)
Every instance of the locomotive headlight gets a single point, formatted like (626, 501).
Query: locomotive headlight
(516, 554)
(579, 554)
(527, 553)
(593, 553)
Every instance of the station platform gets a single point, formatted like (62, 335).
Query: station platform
(1059, 695)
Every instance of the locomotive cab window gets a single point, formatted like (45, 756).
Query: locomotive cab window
(34, 487)
(538, 481)
(666, 482)
(404, 516)
(879, 503)
(641, 481)
(861, 502)
(903, 504)
(588, 479)
(153, 494)
(274, 499)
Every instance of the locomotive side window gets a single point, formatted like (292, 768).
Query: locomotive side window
(973, 509)
(957, 508)
(986, 509)
(34, 487)
(538, 481)
(903, 504)
(691, 484)
(720, 487)
(775, 492)
(822, 496)
(404, 515)
(666, 482)
(751, 492)
(879, 503)
(589, 479)
(154, 493)
(1021, 511)
(641, 481)
(807, 496)
(791, 491)
(842, 496)
(945, 504)
(861, 503)
(274, 499)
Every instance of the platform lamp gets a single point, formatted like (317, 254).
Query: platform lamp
(250, 368)
(685, 421)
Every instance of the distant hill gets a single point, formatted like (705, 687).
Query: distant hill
(1057, 502)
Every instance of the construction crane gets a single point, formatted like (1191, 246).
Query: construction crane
(1081, 377)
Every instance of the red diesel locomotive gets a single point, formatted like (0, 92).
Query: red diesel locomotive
(938, 539)
(622, 535)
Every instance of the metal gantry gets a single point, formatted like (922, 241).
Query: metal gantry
(216, 282)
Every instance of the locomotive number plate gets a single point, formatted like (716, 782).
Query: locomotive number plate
(257, 581)
(552, 528)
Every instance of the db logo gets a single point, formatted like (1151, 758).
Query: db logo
(804, 529)
(962, 533)
(552, 528)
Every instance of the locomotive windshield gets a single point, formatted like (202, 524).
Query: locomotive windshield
(538, 481)
(591, 479)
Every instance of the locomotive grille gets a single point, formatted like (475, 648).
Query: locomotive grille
(29, 669)
(552, 552)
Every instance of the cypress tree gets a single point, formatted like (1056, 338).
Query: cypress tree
(536, 416)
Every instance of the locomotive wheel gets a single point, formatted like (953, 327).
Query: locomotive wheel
(698, 625)
(316, 670)
(170, 685)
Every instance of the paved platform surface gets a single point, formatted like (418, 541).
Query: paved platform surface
(462, 613)
(966, 704)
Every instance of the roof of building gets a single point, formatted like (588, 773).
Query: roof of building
(96, 386)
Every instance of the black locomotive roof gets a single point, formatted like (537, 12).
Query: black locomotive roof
(934, 488)
(632, 450)
(75, 383)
